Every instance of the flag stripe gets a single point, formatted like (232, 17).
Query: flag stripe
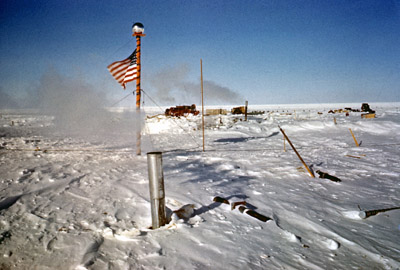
(124, 71)
(119, 64)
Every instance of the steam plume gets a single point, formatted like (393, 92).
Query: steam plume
(79, 110)
(7, 101)
(73, 102)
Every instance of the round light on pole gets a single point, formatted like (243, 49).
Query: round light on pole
(137, 28)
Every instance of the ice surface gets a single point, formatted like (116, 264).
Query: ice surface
(82, 202)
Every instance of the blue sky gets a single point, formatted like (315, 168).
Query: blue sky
(265, 52)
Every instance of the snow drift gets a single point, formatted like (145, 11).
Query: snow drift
(70, 203)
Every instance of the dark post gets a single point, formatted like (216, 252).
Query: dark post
(245, 111)
(202, 99)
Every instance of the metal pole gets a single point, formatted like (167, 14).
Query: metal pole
(138, 72)
(157, 192)
(202, 99)
(138, 94)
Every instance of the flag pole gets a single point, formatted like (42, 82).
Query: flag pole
(202, 99)
(138, 33)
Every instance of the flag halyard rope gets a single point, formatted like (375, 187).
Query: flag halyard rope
(123, 98)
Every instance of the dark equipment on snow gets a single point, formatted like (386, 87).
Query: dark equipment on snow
(239, 110)
(181, 111)
(365, 108)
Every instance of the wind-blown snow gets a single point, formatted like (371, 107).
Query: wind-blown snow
(71, 203)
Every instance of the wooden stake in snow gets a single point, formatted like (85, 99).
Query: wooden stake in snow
(352, 134)
(254, 214)
(245, 111)
(202, 100)
(366, 214)
(234, 204)
(284, 144)
(353, 156)
(328, 176)
(243, 209)
(157, 192)
(297, 153)
(220, 200)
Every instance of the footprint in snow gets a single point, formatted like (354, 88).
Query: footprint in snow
(330, 244)
(291, 237)
(286, 234)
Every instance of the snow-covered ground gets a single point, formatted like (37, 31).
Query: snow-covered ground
(73, 201)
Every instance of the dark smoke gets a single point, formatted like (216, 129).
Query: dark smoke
(169, 82)
(172, 86)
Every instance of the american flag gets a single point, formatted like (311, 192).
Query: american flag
(124, 71)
